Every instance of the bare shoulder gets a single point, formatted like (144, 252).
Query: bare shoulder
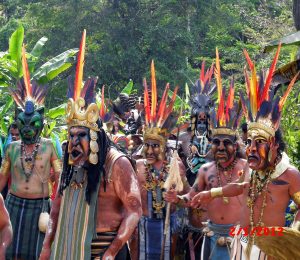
(123, 164)
(206, 167)
(291, 173)
(46, 141)
(140, 164)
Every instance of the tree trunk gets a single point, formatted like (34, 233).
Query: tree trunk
(296, 13)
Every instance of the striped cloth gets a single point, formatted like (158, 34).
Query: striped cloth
(76, 225)
(24, 216)
(102, 242)
(151, 232)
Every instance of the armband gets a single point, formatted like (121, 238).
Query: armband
(216, 192)
(56, 164)
(5, 166)
(296, 197)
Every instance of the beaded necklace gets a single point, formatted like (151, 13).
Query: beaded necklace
(257, 187)
(29, 159)
(155, 180)
(225, 170)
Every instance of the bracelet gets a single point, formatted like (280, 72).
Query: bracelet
(216, 192)
(296, 197)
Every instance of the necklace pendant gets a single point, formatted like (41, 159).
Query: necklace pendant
(226, 200)
(249, 202)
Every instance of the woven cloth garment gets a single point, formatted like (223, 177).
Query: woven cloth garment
(151, 232)
(24, 216)
(76, 225)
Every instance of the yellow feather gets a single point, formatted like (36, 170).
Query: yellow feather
(218, 75)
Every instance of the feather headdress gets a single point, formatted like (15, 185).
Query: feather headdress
(81, 108)
(158, 118)
(28, 95)
(201, 99)
(226, 117)
(263, 109)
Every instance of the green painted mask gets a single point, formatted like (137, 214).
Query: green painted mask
(30, 123)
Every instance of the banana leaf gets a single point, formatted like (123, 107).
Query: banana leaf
(291, 39)
(36, 53)
(4, 109)
(56, 111)
(55, 66)
(15, 48)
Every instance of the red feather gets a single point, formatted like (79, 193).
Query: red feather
(265, 93)
(287, 92)
(249, 61)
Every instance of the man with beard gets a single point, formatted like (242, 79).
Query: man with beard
(273, 180)
(227, 167)
(27, 163)
(98, 204)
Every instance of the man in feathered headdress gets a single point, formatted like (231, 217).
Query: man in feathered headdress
(223, 213)
(98, 203)
(273, 180)
(201, 104)
(152, 173)
(27, 163)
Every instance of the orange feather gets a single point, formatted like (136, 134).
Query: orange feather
(161, 110)
(202, 76)
(26, 74)
(170, 107)
(220, 113)
(247, 82)
(287, 92)
(153, 94)
(218, 75)
(230, 99)
(79, 67)
(146, 103)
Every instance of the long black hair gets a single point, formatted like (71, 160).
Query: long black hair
(95, 171)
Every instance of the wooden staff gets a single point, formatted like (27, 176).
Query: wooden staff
(173, 181)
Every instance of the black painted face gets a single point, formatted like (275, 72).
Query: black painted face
(223, 148)
(30, 123)
(201, 105)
